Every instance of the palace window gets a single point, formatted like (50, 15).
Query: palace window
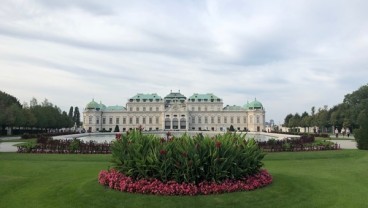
(150, 108)
(117, 120)
(103, 120)
(225, 119)
(137, 108)
(90, 120)
(238, 119)
(205, 119)
(144, 120)
(124, 120)
(130, 120)
(231, 119)
(150, 120)
(199, 119)
(97, 121)
(110, 120)
(212, 119)
(219, 119)
(157, 119)
(137, 120)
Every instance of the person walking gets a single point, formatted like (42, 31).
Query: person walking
(343, 132)
(348, 132)
(336, 132)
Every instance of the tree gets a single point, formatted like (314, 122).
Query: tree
(9, 105)
(322, 119)
(361, 134)
(231, 128)
(355, 103)
(30, 119)
(46, 103)
(70, 114)
(286, 120)
(116, 128)
(33, 102)
(304, 121)
(76, 117)
(294, 121)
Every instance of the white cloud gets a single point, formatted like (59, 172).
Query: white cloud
(290, 55)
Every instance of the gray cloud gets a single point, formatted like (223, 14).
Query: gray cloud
(290, 55)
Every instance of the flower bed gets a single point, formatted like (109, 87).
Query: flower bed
(184, 165)
(118, 181)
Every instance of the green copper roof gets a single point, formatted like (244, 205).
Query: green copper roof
(233, 108)
(175, 95)
(208, 97)
(253, 105)
(116, 108)
(94, 105)
(145, 97)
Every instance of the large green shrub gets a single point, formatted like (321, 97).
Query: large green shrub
(185, 158)
(361, 134)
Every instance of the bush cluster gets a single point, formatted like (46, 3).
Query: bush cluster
(304, 143)
(31, 136)
(324, 135)
(186, 159)
(46, 144)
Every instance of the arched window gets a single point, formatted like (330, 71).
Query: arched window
(167, 123)
(175, 123)
(183, 123)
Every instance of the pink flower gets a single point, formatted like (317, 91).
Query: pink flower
(119, 181)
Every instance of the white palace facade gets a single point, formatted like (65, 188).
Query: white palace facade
(174, 112)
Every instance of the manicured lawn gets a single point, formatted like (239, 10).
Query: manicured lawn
(302, 179)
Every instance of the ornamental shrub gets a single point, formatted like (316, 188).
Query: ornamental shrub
(361, 134)
(186, 159)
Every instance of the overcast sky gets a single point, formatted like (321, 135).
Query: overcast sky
(289, 55)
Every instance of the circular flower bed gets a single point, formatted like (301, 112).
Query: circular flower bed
(118, 181)
(184, 165)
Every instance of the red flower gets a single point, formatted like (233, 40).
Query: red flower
(163, 152)
(117, 136)
(218, 144)
(118, 181)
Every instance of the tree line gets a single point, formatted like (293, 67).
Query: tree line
(343, 115)
(35, 116)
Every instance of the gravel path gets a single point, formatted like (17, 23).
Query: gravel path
(8, 146)
(346, 144)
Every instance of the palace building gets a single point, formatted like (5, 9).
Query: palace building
(174, 112)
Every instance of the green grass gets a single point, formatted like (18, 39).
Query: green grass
(301, 179)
